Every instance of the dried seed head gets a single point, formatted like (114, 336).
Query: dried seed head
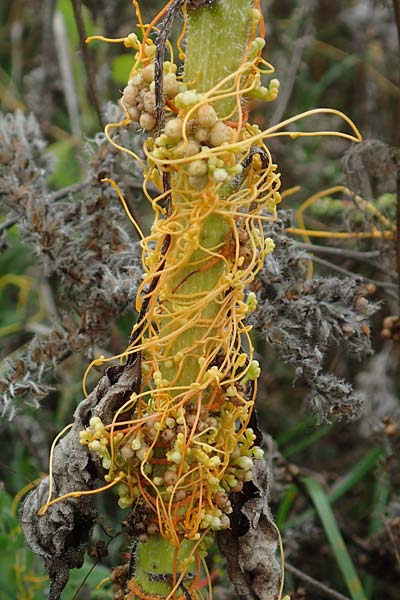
(370, 288)
(361, 304)
(220, 499)
(201, 426)
(190, 419)
(238, 487)
(242, 235)
(225, 521)
(347, 329)
(187, 149)
(126, 452)
(180, 495)
(201, 134)
(168, 435)
(152, 529)
(211, 422)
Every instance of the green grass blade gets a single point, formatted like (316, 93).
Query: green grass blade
(307, 441)
(379, 503)
(342, 486)
(285, 436)
(285, 505)
(336, 541)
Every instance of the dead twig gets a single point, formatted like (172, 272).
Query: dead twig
(70, 189)
(66, 70)
(7, 225)
(87, 60)
(298, 50)
(396, 6)
(353, 254)
(314, 584)
(383, 284)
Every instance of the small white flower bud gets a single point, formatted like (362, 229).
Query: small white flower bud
(220, 175)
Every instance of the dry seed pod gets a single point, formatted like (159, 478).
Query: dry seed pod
(171, 85)
(134, 114)
(220, 134)
(147, 121)
(206, 116)
(148, 73)
(129, 95)
(149, 102)
(173, 128)
(197, 168)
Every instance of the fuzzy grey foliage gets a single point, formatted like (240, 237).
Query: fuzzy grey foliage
(377, 383)
(79, 235)
(372, 162)
(302, 319)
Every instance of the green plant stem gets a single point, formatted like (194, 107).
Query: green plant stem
(216, 45)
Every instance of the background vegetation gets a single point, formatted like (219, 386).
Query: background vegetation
(333, 482)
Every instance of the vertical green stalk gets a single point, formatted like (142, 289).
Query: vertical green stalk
(216, 45)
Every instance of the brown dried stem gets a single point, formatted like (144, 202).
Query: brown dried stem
(87, 60)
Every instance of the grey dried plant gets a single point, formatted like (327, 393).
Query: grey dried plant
(304, 319)
(79, 235)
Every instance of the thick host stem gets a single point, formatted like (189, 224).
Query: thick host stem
(216, 46)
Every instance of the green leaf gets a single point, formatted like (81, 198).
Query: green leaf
(307, 441)
(285, 436)
(67, 170)
(342, 486)
(121, 67)
(336, 541)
